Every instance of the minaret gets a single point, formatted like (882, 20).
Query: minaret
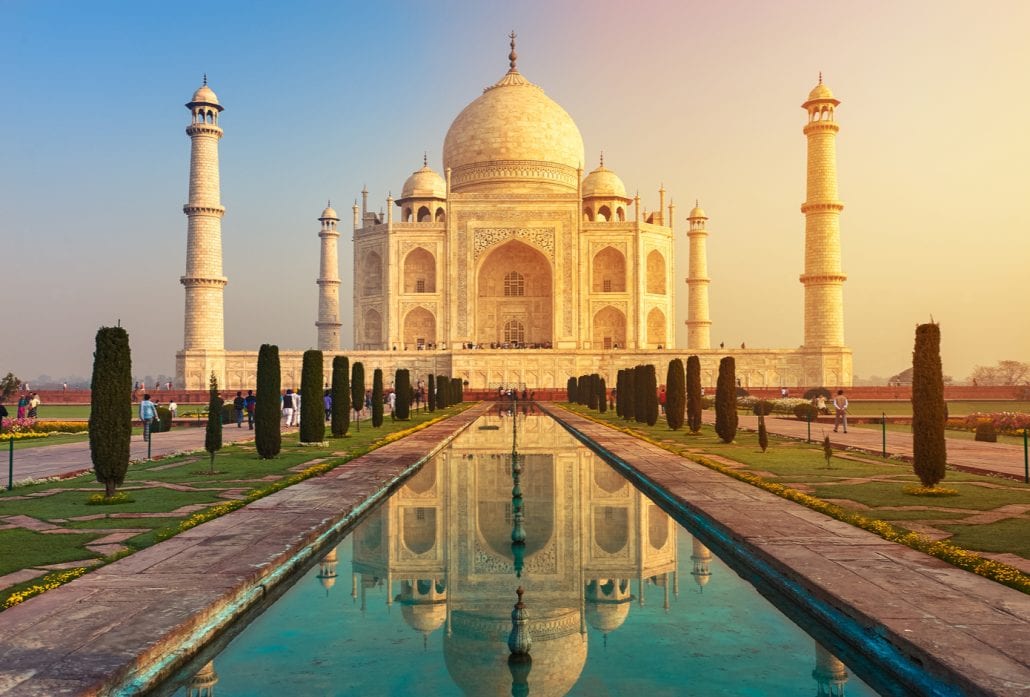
(329, 283)
(830, 674)
(699, 327)
(205, 284)
(823, 278)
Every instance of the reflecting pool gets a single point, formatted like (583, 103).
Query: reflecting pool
(618, 598)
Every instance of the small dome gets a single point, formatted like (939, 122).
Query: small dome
(697, 212)
(205, 95)
(607, 617)
(821, 92)
(603, 183)
(329, 214)
(327, 581)
(424, 183)
(424, 617)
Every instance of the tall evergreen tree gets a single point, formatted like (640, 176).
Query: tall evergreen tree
(431, 392)
(213, 433)
(312, 406)
(726, 400)
(640, 396)
(377, 397)
(442, 383)
(603, 403)
(592, 384)
(620, 378)
(629, 398)
(675, 394)
(694, 394)
(341, 396)
(267, 412)
(456, 397)
(763, 434)
(570, 390)
(110, 414)
(357, 391)
(651, 395)
(402, 385)
(929, 412)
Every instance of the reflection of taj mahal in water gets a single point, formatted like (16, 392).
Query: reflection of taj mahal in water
(512, 267)
(596, 549)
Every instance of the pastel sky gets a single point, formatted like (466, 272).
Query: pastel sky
(323, 97)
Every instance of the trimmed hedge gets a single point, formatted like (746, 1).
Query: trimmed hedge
(675, 394)
(377, 397)
(110, 415)
(929, 449)
(268, 437)
(726, 400)
(341, 396)
(312, 406)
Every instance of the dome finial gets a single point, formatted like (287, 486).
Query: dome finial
(697, 203)
(328, 203)
(205, 79)
(425, 158)
(512, 57)
(820, 77)
(602, 158)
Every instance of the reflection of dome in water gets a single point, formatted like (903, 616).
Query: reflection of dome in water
(424, 617)
(476, 653)
(607, 617)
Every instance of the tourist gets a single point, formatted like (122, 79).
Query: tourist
(661, 399)
(840, 407)
(173, 408)
(23, 406)
(391, 400)
(34, 406)
(327, 402)
(147, 413)
(250, 402)
(3, 410)
(296, 407)
(238, 406)
(288, 408)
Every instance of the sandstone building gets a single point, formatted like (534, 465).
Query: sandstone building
(514, 266)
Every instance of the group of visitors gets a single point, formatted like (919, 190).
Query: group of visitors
(28, 406)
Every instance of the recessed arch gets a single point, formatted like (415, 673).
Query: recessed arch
(656, 273)
(609, 328)
(419, 328)
(604, 214)
(611, 528)
(609, 271)
(655, 328)
(514, 282)
(657, 526)
(441, 215)
(373, 326)
(372, 268)
(419, 527)
(424, 216)
(419, 271)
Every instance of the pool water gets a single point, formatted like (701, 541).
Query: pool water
(620, 599)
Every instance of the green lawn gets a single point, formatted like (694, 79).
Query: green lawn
(950, 433)
(238, 467)
(871, 483)
(955, 408)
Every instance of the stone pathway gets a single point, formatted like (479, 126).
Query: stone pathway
(967, 630)
(92, 635)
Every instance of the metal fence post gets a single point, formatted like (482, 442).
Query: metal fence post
(884, 422)
(1026, 455)
(10, 464)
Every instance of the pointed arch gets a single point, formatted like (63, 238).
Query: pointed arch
(419, 328)
(372, 268)
(609, 271)
(420, 271)
(514, 282)
(373, 326)
(656, 273)
(609, 328)
(655, 328)
(424, 216)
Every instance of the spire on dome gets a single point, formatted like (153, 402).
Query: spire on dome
(512, 57)
(205, 79)
(425, 158)
(820, 77)
(602, 158)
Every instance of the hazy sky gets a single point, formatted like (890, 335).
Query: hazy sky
(322, 97)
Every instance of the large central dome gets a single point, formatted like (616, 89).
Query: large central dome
(513, 137)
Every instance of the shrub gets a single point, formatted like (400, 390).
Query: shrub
(432, 392)
(163, 422)
(267, 434)
(985, 432)
(726, 400)
(357, 391)
(675, 394)
(650, 395)
(741, 392)
(763, 434)
(805, 412)
(312, 406)
(629, 399)
(695, 403)
(929, 453)
(762, 408)
(110, 415)
(707, 402)
(213, 432)
(816, 392)
(570, 390)
(341, 396)
(602, 404)
(442, 383)
(402, 385)
(377, 397)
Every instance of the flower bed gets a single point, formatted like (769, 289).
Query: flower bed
(1010, 423)
(34, 428)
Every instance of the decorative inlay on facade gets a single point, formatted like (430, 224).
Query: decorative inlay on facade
(540, 237)
(408, 307)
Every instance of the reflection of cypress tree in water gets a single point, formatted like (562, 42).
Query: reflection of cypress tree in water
(203, 683)
(830, 674)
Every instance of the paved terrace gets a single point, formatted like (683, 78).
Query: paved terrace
(972, 631)
(97, 632)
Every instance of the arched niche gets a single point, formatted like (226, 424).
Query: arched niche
(609, 271)
(424, 216)
(655, 328)
(514, 284)
(611, 528)
(609, 328)
(657, 526)
(373, 325)
(372, 270)
(419, 328)
(494, 514)
(419, 527)
(419, 271)
(608, 479)
(423, 480)
(656, 273)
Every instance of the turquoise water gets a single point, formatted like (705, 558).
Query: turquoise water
(620, 598)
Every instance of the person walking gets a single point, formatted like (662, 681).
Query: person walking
(173, 408)
(327, 403)
(288, 408)
(238, 406)
(296, 408)
(34, 403)
(147, 414)
(250, 402)
(23, 406)
(840, 409)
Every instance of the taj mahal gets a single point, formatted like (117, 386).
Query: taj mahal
(515, 266)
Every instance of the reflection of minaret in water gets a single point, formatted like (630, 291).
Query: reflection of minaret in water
(327, 571)
(702, 558)
(203, 683)
(830, 674)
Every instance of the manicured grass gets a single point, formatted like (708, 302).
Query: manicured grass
(71, 504)
(29, 548)
(868, 480)
(955, 407)
(950, 433)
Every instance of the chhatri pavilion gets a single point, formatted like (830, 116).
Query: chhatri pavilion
(515, 266)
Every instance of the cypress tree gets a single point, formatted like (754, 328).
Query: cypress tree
(619, 385)
(357, 391)
(675, 394)
(929, 412)
(441, 391)
(651, 395)
(312, 407)
(110, 414)
(377, 397)
(341, 396)
(570, 390)
(456, 391)
(726, 400)
(694, 394)
(640, 394)
(432, 392)
(213, 433)
(629, 397)
(402, 384)
(592, 391)
(267, 413)
(763, 434)
(603, 403)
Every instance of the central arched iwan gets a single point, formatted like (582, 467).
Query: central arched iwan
(514, 287)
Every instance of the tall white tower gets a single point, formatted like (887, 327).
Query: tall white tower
(329, 283)
(823, 278)
(204, 282)
(699, 327)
